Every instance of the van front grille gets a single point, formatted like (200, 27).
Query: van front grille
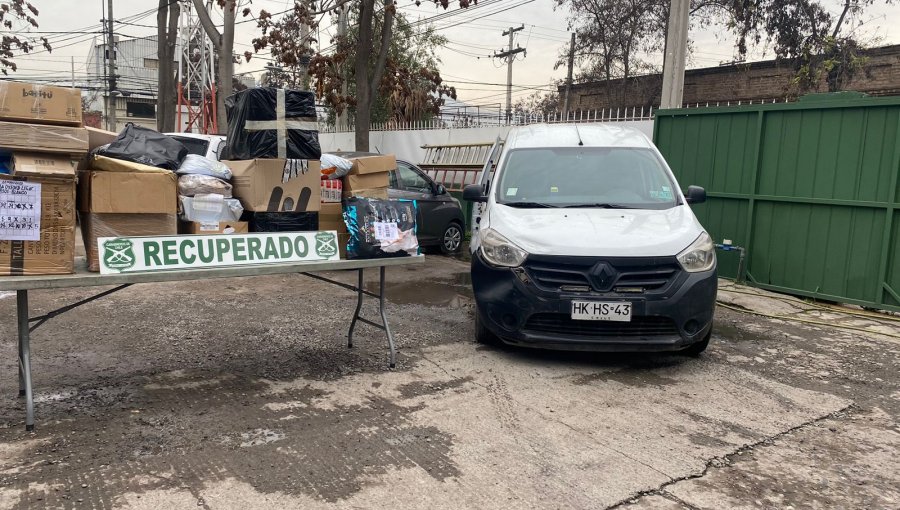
(640, 274)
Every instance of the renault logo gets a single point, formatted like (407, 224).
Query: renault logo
(604, 276)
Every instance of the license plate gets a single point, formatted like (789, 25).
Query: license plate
(599, 311)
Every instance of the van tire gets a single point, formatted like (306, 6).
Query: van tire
(695, 350)
(482, 334)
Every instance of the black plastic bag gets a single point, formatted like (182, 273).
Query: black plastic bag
(254, 123)
(378, 228)
(146, 146)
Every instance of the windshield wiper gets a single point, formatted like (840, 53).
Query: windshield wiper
(599, 206)
(528, 205)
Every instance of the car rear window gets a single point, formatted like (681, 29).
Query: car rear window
(194, 145)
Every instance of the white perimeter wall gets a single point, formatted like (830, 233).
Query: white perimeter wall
(407, 145)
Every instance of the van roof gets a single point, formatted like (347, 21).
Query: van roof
(565, 135)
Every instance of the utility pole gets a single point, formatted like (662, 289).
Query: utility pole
(510, 56)
(569, 78)
(342, 33)
(111, 62)
(676, 53)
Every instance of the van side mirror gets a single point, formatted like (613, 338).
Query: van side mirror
(474, 193)
(695, 195)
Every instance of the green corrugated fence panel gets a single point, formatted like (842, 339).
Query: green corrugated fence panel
(838, 153)
(818, 249)
(893, 276)
(820, 178)
(725, 218)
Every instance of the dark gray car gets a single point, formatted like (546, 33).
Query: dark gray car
(440, 218)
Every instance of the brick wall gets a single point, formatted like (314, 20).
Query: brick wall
(742, 82)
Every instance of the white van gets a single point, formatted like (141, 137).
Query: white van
(586, 242)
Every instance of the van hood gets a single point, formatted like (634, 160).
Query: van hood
(597, 232)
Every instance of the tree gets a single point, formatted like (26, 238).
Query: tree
(616, 37)
(224, 44)
(542, 104)
(807, 34)
(19, 15)
(166, 35)
(370, 61)
(411, 88)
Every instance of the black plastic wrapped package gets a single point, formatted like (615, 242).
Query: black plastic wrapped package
(380, 228)
(146, 146)
(282, 221)
(267, 122)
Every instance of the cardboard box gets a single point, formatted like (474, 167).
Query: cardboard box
(127, 192)
(222, 227)
(34, 164)
(54, 251)
(257, 183)
(38, 103)
(354, 184)
(43, 138)
(380, 193)
(97, 225)
(373, 164)
(331, 217)
(99, 137)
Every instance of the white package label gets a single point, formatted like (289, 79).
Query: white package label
(20, 211)
(385, 231)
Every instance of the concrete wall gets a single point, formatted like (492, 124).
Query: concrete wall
(757, 81)
(407, 145)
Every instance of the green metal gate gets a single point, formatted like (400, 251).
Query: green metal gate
(810, 189)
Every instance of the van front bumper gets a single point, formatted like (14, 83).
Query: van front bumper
(520, 310)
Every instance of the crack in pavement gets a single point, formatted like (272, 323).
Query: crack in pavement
(671, 497)
(725, 460)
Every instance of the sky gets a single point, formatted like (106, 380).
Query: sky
(473, 35)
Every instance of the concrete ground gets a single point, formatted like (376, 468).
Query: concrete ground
(241, 394)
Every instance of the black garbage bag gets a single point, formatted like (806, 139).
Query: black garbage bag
(147, 146)
(380, 228)
(267, 122)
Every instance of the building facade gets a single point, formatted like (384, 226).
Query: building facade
(137, 75)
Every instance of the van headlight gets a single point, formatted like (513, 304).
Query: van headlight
(699, 256)
(499, 251)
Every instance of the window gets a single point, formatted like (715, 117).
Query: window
(142, 110)
(621, 176)
(410, 180)
(151, 63)
(197, 146)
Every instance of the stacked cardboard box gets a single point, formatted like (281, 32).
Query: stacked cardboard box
(274, 144)
(277, 194)
(121, 204)
(369, 177)
(331, 217)
(40, 145)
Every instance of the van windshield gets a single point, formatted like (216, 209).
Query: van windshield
(601, 177)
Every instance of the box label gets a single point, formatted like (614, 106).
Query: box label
(134, 254)
(20, 211)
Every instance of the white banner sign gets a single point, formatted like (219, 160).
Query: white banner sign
(133, 254)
